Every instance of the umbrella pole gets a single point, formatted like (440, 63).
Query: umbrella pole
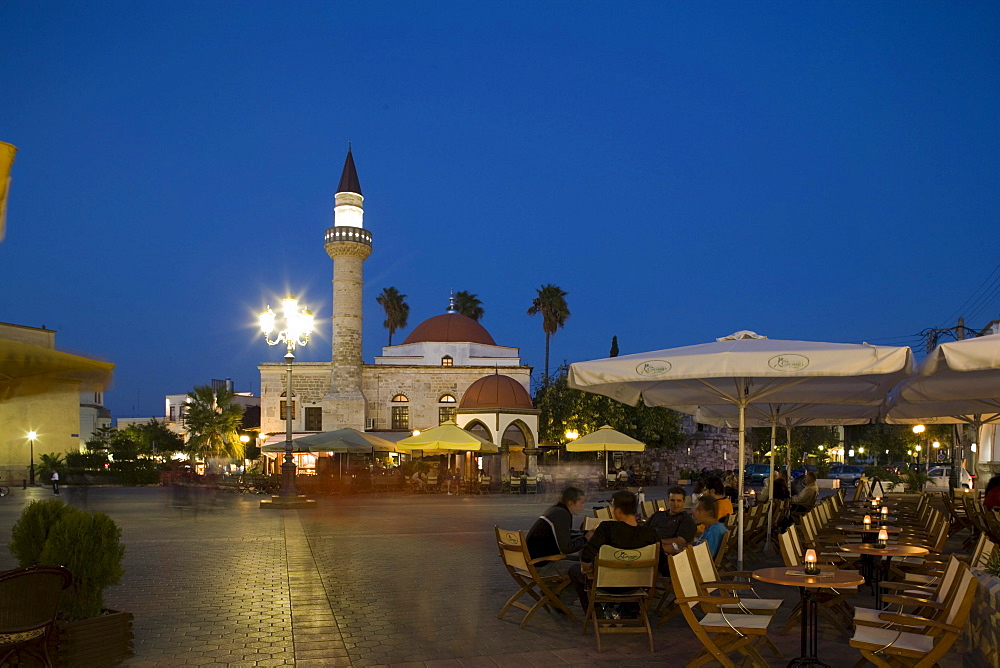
(770, 483)
(739, 498)
(788, 454)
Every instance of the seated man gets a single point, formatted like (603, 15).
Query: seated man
(706, 512)
(623, 532)
(675, 527)
(804, 501)
(551, 534)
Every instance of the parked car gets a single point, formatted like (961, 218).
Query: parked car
(940, 479)
(754, 473)
(846, 473)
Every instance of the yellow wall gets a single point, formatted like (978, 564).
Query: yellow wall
(55, 416)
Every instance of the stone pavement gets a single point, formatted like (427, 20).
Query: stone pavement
(364, 580)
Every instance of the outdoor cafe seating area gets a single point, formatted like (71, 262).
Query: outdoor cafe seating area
(884, 580)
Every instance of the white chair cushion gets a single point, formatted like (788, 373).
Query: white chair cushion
(913, 642)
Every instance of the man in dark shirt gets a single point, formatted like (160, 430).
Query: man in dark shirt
(675, 527)
(552, 533)
(622, 531)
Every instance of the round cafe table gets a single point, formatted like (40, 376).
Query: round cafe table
(875, 570)
(794, 576)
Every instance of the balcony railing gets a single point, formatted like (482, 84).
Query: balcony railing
(356, 234)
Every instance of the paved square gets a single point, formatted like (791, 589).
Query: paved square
(363, 580)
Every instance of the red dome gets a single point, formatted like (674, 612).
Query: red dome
(496, 392)
(450, 328)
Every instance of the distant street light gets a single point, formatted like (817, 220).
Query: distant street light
(32, 435)
(298, 327)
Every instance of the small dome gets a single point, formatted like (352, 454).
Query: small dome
(450, 328)
(496, 392)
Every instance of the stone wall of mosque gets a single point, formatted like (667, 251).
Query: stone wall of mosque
(422, 386)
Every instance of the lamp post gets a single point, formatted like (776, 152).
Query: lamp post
(918, 429)
(32, 435)
(571, 435)
(298, 327)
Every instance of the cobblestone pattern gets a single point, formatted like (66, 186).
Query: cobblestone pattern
(397, 579)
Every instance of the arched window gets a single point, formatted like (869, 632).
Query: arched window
(400, 412)
(448, 411)
(447, 361)
(284, 406)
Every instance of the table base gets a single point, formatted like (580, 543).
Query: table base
(808, 630)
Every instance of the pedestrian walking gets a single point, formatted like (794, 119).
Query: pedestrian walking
(55, 482)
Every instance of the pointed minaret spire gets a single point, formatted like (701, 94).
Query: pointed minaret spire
(451, 302)
(349, 182)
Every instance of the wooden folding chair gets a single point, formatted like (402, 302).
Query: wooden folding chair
(623, 576)
(921, 599)
(911, 640)
(719, 632)
(543, 589)
(603, 513)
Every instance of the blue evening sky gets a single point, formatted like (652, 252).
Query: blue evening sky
(816, 170)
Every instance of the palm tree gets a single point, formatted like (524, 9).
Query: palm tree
(397, 311)
(551, 303)
(468, 304)
(213, 423)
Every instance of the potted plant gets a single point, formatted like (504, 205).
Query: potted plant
(89, 545)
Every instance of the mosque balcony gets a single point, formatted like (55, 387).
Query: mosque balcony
(346, 233)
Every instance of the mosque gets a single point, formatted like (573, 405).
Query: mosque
(447, 368)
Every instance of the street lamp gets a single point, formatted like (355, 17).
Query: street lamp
(298, 327)
(32, 435)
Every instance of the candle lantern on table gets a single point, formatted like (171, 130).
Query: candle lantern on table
(885, 513)
(811, 567)
(867, 521)
(883, 538)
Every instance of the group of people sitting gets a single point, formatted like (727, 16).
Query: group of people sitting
(674, 529)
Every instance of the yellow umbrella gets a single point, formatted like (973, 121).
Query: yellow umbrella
(606, 439)
(445, 439)
(26, 369)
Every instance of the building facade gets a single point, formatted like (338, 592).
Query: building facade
(57, 396)
(413, 385)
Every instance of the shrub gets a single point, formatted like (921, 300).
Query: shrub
(993, 565)
(136, 472)
(916, 480)
(87, 461)
(88, 544)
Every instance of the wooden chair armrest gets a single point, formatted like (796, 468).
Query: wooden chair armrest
(554, 557)
(912, 600)
(736, 574)
(917, 621)
(715, 600)
(735, 586)
(903, 586)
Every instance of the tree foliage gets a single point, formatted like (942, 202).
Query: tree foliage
(397, 311)
(564, 408)
(551, 304)
(469, 305)
(213, 423)
(136, 440)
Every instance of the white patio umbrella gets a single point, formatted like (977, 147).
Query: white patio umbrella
(958, 383)
(745, 368)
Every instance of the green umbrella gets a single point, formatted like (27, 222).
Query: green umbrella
(340, 441)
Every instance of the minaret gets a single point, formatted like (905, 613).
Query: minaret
(348, 244)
